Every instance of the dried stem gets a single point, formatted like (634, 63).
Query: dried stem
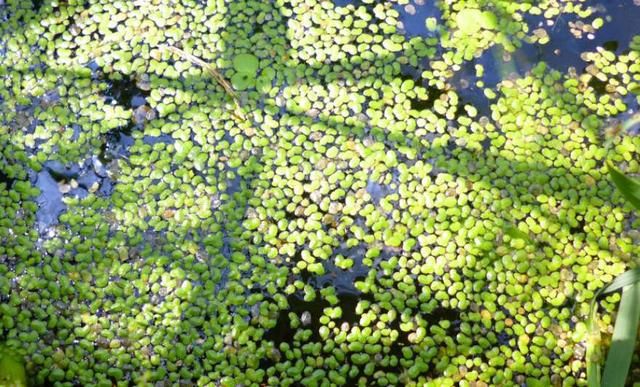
(214, 73)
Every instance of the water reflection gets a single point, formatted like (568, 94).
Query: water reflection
(413, 17)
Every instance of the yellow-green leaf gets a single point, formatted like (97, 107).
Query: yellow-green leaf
(11, 371)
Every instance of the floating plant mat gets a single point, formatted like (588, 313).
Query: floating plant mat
(313, 192)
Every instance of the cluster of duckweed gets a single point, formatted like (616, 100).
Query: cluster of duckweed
(355, 227)
(468, 29)
(615, 80)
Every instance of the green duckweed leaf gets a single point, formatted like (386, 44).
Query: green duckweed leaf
(242, 81)
(11, 371)
(516, 233)
(469, 20)
(534, 382)
(630, 188)
(246, 63)
(488, 20)
(431, 23)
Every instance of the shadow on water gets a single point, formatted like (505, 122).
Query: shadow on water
(125, 92)
(4, 178)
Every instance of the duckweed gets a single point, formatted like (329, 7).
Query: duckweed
(346, 202)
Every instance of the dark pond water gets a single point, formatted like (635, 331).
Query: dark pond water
(564, 50)
(57, 180)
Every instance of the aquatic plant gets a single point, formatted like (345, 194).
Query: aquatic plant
(311, 192)
(11, 370)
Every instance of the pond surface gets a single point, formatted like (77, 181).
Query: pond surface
(343, 199)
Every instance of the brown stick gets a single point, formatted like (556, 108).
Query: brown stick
(214, 73)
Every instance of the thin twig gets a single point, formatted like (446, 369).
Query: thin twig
(214, 73)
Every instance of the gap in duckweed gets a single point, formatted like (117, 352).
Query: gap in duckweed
(56, 181)
(343, 280)
(600, 87)
(433, 318)
(409, 73)
(131, 93)
(281, 332)
(4, 178)
(564, 49)
(355, 3)
(116, 144)
(96, 73)
(413, 17)
(50, 204)
(127, 91)
(37, 4)
(611, 46)
(631, 100)
(161, 139)
(570, 37)
(234, 185)
(4, 16)
(378, 191)
(24, 118)
(89, 176)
